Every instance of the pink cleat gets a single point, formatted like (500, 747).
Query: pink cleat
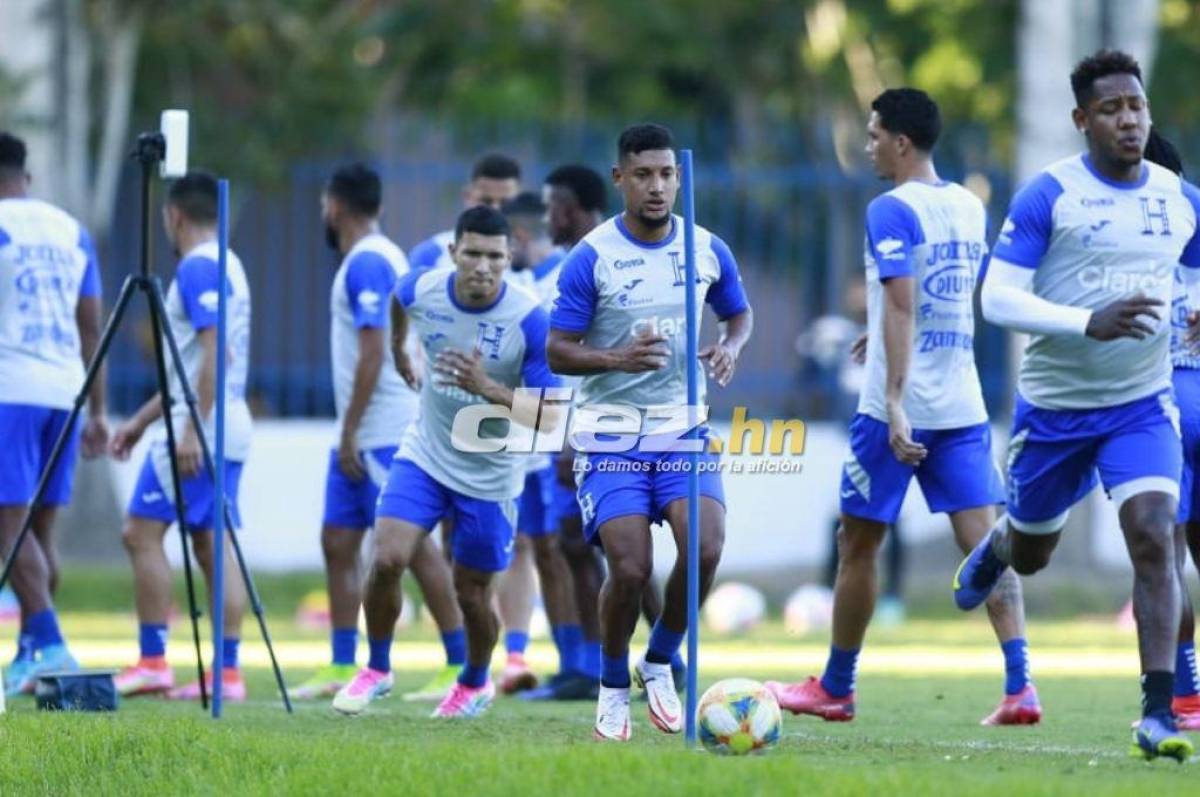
(516, 675)
(466, 701)
(1023, 708)
(1187, 712)
(151, 676)
(233, 688)
(810, 697)
(367, 685)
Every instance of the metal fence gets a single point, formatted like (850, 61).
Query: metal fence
(794, 221)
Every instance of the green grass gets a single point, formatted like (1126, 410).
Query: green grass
(915, 734)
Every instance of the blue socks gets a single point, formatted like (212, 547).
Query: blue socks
(567, 638)
(615, 672)
(1186, 683)
(43, 627)
(1016, 665)
(380, 654)
(229, 654)
(590, 656)
(25, 649)
(152, 640)
(473, 676)
(664, 643)
(515, 642)
(455, 643)
(345, 645)
(838, 679)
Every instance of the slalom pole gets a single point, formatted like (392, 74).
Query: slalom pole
(693, 379)
(218, 585)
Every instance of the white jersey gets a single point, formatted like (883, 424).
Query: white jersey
(361, 298)
(433, 252)
(936, 234)
(612, 286)
(47, 264)
(1185, 300)
(534, 279)
(511, 337)
(1093, 241)
(191, 309)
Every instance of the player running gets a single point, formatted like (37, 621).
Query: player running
(921, 412)
(619, 322)
(495, 179)
(374, 407)
(481, 338)
(50, 309)
(190, 219)
(1085, 264)
(538, 555)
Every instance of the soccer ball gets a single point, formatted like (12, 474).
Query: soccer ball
(734, 608)
(738, 716)
(808, 609)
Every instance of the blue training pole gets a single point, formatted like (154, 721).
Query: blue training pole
(693, 390)
(218, 585)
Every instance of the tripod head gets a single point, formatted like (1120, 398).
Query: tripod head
(151, 148)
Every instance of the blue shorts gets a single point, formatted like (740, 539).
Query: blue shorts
(535, 513)
(1054, 457)
(350, 504)
(152, 495)
(28, 434)
(958, 472)
(615, 484)
(484, 531)
(1187, 398)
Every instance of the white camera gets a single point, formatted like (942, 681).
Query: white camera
(174, 129)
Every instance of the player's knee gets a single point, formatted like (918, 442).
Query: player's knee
(711, 546)
(630, 572)
(1151, 549)
(1027, 560)
(135, 538)
(855, 544)
(390, 558)
(339, 545)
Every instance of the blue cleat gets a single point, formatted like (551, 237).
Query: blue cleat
(18, 676)
(977, 575)
(1156, 736)
(564, 686)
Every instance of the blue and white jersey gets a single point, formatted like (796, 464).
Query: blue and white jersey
(538, 280)
(1091, 242)
(361, 298)
(1185, 300)
(545, 277)
(936, 234)
(511, 336)
(192, 308)
(433, 252)
(613, 286)
(47, 264)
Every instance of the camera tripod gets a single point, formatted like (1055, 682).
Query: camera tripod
(150, 150)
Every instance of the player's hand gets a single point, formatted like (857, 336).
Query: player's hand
(120, 446)
(1192, 336)
(647, 352)
(94, 439)
(349, 461)
(900, 437)
(858, 349)
(721, 361)
(1123, 319)
(406, 369)
(189, 455)
(462, 370)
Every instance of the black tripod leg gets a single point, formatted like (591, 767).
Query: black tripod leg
(110, 329)
(160, 328)
(251, 591)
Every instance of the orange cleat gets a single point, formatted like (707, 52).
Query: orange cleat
(1022, 708)
(810, 697)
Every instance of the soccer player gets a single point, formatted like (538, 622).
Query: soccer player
(190, 219)
(619, 322)
(495, 179)
(480, 338)
(921, 411)
(1185, 378)
(50, 308)
(1085, 264)
(374, 407)
(534, 258)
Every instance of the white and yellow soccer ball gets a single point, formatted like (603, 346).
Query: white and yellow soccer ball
(734, 608)
(738, 716)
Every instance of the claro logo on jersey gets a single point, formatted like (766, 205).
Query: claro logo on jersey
(668, 327)
(1122, 279)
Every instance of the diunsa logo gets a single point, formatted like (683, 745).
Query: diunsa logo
(950, 284)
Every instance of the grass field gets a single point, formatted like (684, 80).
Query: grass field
(923, 688)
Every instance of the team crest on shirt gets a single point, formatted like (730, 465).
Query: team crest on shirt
(208, 300)
(369, 301)
(488, 339)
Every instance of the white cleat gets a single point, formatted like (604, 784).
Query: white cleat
(661, 697)
(612, 715)
(367, 685)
